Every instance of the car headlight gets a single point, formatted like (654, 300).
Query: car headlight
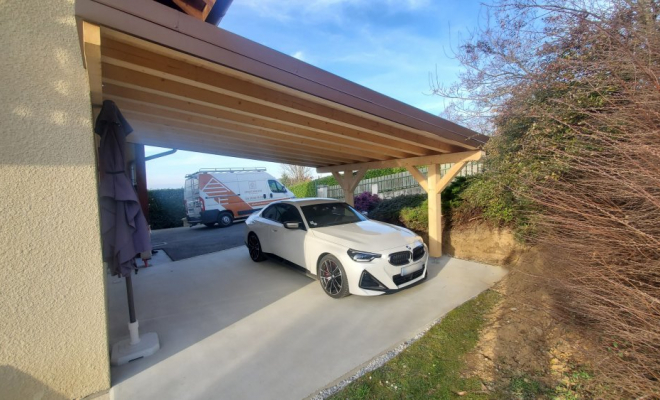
(362, 256)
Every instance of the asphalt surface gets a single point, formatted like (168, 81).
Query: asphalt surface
(182, 243)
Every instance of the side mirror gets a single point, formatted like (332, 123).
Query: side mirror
(365, 213)
(292, 225)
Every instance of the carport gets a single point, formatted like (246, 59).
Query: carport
(231, 328)
(189, 85)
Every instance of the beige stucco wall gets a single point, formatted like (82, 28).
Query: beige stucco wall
(53, 336)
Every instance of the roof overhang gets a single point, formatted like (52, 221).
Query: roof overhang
(185, 84)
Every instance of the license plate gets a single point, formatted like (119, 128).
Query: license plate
(410, 269)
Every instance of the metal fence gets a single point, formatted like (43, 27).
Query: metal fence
(389, 186)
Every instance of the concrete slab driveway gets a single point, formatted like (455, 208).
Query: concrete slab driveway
(234, 329)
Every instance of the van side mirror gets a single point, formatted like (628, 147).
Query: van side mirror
(292, 225)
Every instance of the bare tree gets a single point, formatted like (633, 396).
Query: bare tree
(295, 174)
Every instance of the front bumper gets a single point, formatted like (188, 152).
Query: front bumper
(379, 277)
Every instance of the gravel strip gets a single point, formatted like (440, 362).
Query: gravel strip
(373, 365)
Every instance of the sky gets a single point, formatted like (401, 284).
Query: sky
(390, 46)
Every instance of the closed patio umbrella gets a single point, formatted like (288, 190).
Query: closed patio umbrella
(124, 230)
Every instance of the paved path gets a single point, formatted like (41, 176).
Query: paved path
(186, 242)
(233, 329)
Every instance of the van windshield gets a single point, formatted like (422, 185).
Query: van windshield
(329, 214)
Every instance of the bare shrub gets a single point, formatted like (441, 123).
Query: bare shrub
(573, 90)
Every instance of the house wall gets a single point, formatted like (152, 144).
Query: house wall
(53, 334)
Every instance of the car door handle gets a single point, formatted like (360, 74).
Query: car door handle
(274, 230)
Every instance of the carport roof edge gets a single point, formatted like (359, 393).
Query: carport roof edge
(162, 26)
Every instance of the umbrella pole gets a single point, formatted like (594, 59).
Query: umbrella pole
(133, 323)
(131, 304)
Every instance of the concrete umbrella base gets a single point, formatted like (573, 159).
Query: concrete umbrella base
(135, 347)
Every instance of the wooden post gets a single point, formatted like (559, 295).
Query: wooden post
(435, 211)
(349, 182)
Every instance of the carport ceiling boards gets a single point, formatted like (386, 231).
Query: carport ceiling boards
(189, 85)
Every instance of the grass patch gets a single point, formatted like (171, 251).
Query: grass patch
(431, 367)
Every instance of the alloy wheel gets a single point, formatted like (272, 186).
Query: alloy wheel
(331, 277)
(254, 247)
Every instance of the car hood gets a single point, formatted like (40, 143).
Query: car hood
(367, 235)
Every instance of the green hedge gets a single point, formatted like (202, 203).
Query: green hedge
(305, 189)
(308, 189)
(412, 210)
(166, 208)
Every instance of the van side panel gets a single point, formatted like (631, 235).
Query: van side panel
(240, 193)
(220, 196)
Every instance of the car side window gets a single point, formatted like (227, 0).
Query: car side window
(272, 213)
(276, 187)
(289, 213)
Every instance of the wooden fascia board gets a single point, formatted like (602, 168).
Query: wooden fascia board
(450, 158)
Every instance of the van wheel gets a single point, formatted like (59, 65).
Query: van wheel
(225, 219)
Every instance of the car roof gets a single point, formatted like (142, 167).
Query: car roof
(311, 200)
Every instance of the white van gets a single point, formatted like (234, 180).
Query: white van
(213, 195)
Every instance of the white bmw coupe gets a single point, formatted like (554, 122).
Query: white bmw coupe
(346, 251)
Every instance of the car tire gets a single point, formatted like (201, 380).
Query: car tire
(332, 277)
(225, 219)
(254, 248)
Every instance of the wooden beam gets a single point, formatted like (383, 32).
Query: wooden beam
(472, 155)
(226, 136)
(339, 178)
(244, 129)
(137, 98)
(359, 174)
(461, 136)
(449, 175)
(182, 136)
(348, 182)
(436, 184)
(199, 9)
(133, 79)
(435, 211)
(91, 37)
(173, 118)
(161, 66)
(160, 141)
(419, 177)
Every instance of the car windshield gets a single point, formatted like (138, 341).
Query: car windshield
(329, 214)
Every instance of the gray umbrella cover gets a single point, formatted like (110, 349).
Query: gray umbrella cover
(124, 229)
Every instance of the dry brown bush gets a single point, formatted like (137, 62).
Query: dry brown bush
(583, 108)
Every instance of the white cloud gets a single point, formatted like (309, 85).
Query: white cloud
(299, 55)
